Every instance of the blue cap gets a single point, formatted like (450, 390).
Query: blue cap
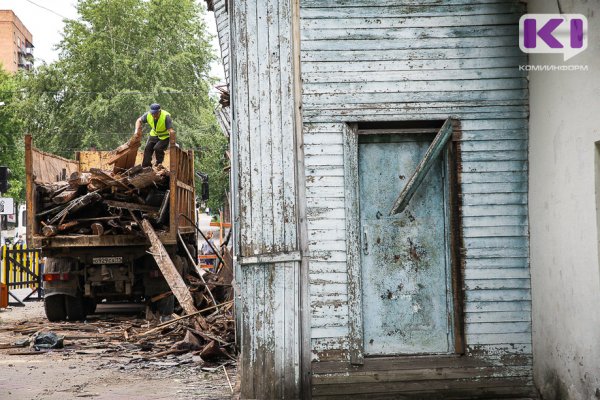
(154, 108)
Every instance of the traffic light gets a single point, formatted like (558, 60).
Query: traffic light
(4, 177)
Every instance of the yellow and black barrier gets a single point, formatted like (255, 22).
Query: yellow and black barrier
(21, 269)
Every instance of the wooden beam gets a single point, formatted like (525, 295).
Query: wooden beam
(175, 281)
(131, 206)
(434, 150)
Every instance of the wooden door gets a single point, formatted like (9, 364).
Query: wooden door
(405, 263)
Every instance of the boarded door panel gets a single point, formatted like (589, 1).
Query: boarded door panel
(404, 256)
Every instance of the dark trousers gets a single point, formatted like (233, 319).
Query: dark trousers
(156, 146)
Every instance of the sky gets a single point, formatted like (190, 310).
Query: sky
(44, 19)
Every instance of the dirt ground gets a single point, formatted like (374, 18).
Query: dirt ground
(72, 373)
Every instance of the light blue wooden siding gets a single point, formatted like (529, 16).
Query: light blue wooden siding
(265, 203)
(423, 60)
(263, 121)
(269, 367)
(223, 32)
(324, 161)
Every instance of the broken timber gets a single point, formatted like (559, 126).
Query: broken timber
(175, 281)
(434, 150)
(126, 154)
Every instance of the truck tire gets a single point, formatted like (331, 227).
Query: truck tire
(89, 306)
(166, 306)
(55, 307)
(74, 307)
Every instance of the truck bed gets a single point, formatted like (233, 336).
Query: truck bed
(42, 167)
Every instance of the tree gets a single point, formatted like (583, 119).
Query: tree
(11, 137)
(115, 60)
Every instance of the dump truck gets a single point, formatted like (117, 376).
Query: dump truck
(85, 216)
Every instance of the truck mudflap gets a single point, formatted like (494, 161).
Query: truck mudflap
(59, 277)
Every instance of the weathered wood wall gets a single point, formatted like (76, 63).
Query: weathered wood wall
(223, 31)
(266, 206)
(422, 60)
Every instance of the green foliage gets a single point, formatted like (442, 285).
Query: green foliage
(12, 152)
(115, 60)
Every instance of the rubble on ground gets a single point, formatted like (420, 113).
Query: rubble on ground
(143, 340)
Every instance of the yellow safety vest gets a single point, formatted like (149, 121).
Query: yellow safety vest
(160, 129)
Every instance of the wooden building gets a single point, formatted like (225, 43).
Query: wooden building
(380, 197)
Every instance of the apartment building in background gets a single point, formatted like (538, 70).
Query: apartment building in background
(16, 43)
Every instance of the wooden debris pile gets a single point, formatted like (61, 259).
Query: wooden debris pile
(213, 334)
(137, 339)
(104, 203)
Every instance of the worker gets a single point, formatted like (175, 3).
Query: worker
(162, 128)
(207, 249)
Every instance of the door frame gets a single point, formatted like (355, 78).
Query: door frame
(353, 240)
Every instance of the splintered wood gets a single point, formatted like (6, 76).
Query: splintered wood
(104, 202)
(128, 337)
(124, 157)
(137, 338)
(175, 281)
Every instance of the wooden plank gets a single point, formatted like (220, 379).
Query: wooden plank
(125, 155)
(329, 148)
(409, 33)
(265, 96)
(434, 150)
(326, 213)
(495, 187)
(279, 311)
(416, 86)
(375, 114)
(467, 177)
(275, 129)
(255, 166)
(329, 77)
(174, 280)
(412, 10)
(241, 130)
(498, 295)
(499, 338)
(488, 210)
(131, 206)
(496, 231)
(505, 242)
(325, 234)
(316, 100)
(290, 117)
(432, 373)
(318, 267)
(497, 273)
(391, 21)
(498, 316)
(351, 44)
(329, 332)
(407, 54)
(408, 64)
(386, 3)
(262, 380)
(498, 327)
(329, 290)
(426, 388)
(491, 306)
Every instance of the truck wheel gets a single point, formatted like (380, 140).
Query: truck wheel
(55, 307)
(74, 307)
(166, 306)
(89, 306)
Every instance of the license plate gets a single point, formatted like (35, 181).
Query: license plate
(107, 260)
